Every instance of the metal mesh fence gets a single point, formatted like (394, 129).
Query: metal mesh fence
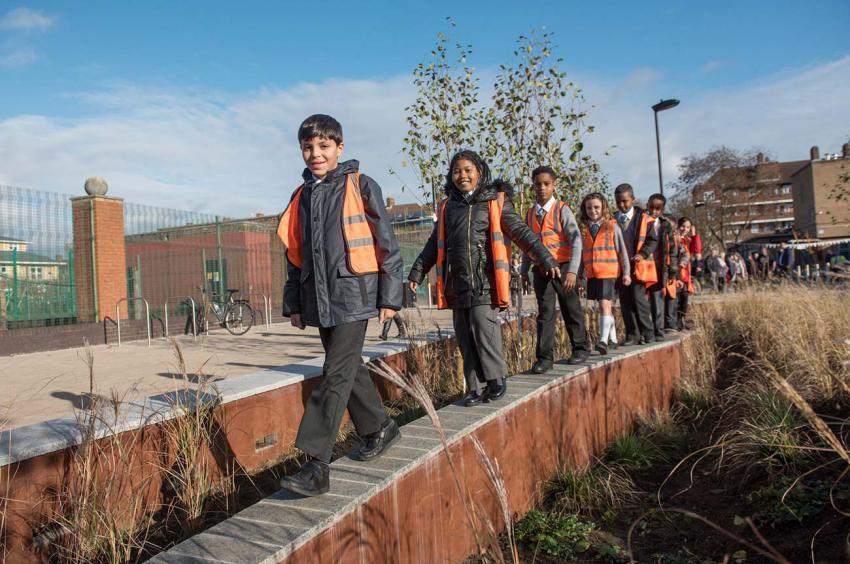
(171, 256)
(36, 259)
(202, 262)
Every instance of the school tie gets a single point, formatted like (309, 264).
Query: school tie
(541, 214)
(624, 219)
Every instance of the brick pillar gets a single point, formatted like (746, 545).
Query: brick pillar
(99, 223)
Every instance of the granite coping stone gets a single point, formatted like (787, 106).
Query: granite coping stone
(29, 441)
(294, 519)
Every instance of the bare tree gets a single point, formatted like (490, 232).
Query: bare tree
(718, 189)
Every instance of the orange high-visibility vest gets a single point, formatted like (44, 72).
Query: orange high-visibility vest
(359, 243)
(498, 246)
(551, 233)
(685, 270)
(645, 269)
(670, 286)
(599, 254)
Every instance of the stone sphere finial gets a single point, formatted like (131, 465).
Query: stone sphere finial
(96, 186)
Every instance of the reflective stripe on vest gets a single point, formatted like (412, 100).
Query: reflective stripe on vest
(551, 233)
(359, 243)
(498, 247)
(645, 269)
(599, 254)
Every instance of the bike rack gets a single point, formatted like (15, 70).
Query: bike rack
(147, 317)
(191, 301)
(267, 308)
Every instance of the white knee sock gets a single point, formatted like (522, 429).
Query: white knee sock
(604, 328)
(612, 329)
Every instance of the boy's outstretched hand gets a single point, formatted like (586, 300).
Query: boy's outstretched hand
(412, 285)
(385, 314)
(295, 319)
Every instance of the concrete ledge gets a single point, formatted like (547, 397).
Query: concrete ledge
(36, 461)
(403, 507)
(29, 441)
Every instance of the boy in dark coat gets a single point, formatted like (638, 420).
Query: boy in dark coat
(640, 242)
(662, 297)
(343, 268)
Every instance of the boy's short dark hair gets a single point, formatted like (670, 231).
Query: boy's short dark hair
(541, 170)
(658, 196)
(683, 219)
(322, 126)
(623, 189)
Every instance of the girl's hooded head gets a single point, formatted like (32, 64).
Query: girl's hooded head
(467, 171)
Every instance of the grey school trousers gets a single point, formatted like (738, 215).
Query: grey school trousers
(346, 384)
(479, 338)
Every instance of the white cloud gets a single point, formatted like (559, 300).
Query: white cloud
(27, 20)
(18, 58)
(710, 67)
(785, 114)
(204, 151)
(237, 155)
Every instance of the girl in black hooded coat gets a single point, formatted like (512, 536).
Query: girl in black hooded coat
(469, 287)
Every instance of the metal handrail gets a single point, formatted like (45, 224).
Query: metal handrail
(194, 321)
(267, 308)
(147, 317)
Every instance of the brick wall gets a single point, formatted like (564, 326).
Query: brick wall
(109, 259)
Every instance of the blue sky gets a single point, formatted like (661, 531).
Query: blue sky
(177, 103)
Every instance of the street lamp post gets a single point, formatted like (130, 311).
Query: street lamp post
(660, 107)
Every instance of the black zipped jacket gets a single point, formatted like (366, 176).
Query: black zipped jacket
(469, 278)
(324, 290)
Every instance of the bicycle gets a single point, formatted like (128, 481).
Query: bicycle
(237, 316)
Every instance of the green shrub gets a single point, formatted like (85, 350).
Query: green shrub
(633, 451)
(564, 536)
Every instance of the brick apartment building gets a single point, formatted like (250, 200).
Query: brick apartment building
(772, 201)
(822, 196)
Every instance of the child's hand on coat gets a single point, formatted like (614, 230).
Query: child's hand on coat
(385, 314)
(569, 281)
(627, 280)
(412, 285)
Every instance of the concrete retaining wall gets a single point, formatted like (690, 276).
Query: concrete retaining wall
(405, 506)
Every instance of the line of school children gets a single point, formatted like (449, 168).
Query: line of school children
(344, 268)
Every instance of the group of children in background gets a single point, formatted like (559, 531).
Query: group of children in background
(344, 267)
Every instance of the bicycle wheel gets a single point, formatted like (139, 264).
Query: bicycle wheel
(238, 318)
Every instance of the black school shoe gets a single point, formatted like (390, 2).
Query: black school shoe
(495, 391)
(578, 357)
(472, 398)
(542, 366)
(312, 479)
(602, 348)
(631, 342)
(378, 442)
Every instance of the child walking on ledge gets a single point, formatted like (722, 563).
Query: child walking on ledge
(343, 268)
(468, 245)
(604, 259)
